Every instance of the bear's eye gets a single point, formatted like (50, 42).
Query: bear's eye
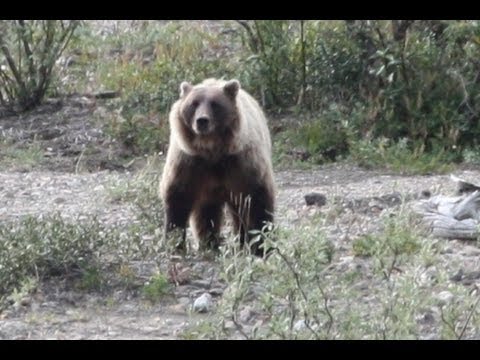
(195, 103)
(215, 105)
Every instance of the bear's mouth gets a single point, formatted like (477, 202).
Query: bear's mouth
(202, 133)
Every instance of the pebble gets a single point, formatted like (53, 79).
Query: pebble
(205, 284)
(229, 325)
(246, 314)
(315, 199)
(458, 276)
(299, 325)
(444, 298)
(203, 303)
(216, 291)
(426, 318)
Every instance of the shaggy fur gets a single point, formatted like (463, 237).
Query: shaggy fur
(219, 153)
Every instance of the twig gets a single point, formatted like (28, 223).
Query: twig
(239, 328)
(449, 324)
(459, 337)
(325, 306)
(252, 39)
(77, 165)
(300, 288)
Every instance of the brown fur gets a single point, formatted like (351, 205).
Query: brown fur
(219, 153)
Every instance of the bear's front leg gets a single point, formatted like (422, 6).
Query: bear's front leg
(252, 212)
(259, 215)
(206, 223)
(178, 205)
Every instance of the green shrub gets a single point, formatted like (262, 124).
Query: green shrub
(47, 247)
(147, 67)
(29, 50)
(326, 138)
(156, 288)
(401, 157)
(298, 292)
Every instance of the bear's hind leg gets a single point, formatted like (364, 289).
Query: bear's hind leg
(206, 223)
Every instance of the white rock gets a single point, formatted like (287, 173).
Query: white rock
(299, 325)
(429, 337)
(444, 298)
(203, 303)
(230, 325)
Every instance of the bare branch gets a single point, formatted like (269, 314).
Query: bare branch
(251, 37)
(300, 288)
(460, 336)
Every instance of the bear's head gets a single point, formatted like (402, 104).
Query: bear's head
(209, 109)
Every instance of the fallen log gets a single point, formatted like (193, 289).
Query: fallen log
(455, 217)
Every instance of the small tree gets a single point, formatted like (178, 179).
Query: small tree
(28, 52)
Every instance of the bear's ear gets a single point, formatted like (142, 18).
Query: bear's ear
(185, 88)
(231, 88)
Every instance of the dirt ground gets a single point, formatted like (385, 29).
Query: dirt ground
(74, 184)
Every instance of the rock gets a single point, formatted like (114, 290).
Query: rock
(315, 199)
(474, 275)
(216, 292)
(25, 301)
(426, 318)
(458, 276)
(469, 278)
(197, 293)
(470, 251)
(229, 325)
(203, 303)
(246, 315)
(300, 325)
(205, 284)
(444, 298)
(109, 94)
(425, 194)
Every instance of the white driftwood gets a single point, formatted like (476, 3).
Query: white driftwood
(453, 217)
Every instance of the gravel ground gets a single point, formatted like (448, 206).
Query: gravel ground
(62, 314)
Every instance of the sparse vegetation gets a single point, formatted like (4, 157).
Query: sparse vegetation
(312, 298)
(156, 288)
(52, 246)
(45, 247)
(397, 96)
(20, 157)
(358, 75)
(400, 157)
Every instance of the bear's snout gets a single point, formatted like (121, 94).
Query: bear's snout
(202, 125)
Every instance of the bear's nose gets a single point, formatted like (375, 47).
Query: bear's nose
(202, 123)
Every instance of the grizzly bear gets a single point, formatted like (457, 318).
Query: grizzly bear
(219, 156)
